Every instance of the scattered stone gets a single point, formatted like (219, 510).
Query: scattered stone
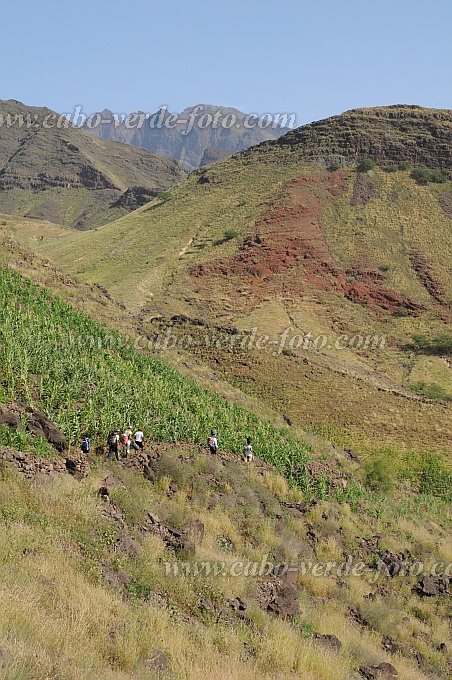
(329, 642)
(4, 657)
(384, 670)
(113, 482)
(206, 605)
(173, 488)
(354, 456)
(111, 510)
(214, 500)
(237, 604)
(296, 510)
(394, 563)
(285, 604)
(174, 539)
(195, 529)
(116, 578)
(357, 616)
(432, 586)
(394, 647)
(149, 474)
(158, 661)
(41, 470)
(128, 546)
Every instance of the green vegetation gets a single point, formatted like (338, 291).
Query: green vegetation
(430, 390)
(379, 474)
(92, 381)
(440, 344)
(365, 165)
(424, 176)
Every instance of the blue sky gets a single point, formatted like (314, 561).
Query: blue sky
(313, 58)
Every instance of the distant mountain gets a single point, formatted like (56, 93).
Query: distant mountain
(185, 136)
(52, 170)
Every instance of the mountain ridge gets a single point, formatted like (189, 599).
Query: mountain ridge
(50, 169)
(185, 138)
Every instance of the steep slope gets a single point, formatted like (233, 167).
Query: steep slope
(313, 574)
(337, 267)
(186, 136)
(50, 169)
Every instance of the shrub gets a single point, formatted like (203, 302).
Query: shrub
(366, 164)
(401, 311)
(378, 474)
(229, 234)
(384, 267)
(430, 390)
(439, 176)
(404, 165)
(435, 479)
(422, 175)
(441, 344)
(334, 166)
(164, 196)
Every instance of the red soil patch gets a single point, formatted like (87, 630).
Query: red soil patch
(288, 253)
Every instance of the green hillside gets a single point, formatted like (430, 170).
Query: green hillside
(98, 568)
(295, 234)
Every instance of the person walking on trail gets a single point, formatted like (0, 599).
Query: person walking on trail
(248, 451)
(86, 443)
(138, 437)
(127, 439)
(113, 444)
(212, 442)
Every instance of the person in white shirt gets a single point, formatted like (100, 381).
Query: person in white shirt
(212, 442)
(248, 451)
(138, 437)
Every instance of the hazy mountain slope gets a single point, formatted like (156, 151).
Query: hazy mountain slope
(271, 240)
(189, 138)
(67, 176)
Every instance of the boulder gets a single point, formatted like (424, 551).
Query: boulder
(39, 424)
(385, 671)
(149, 474)
(432, 586)
(8, 418)
(285, 603)
(128, 546)
(329, 642)
(158, 661)
(195, 529)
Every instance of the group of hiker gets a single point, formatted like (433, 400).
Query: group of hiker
(127, 441)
